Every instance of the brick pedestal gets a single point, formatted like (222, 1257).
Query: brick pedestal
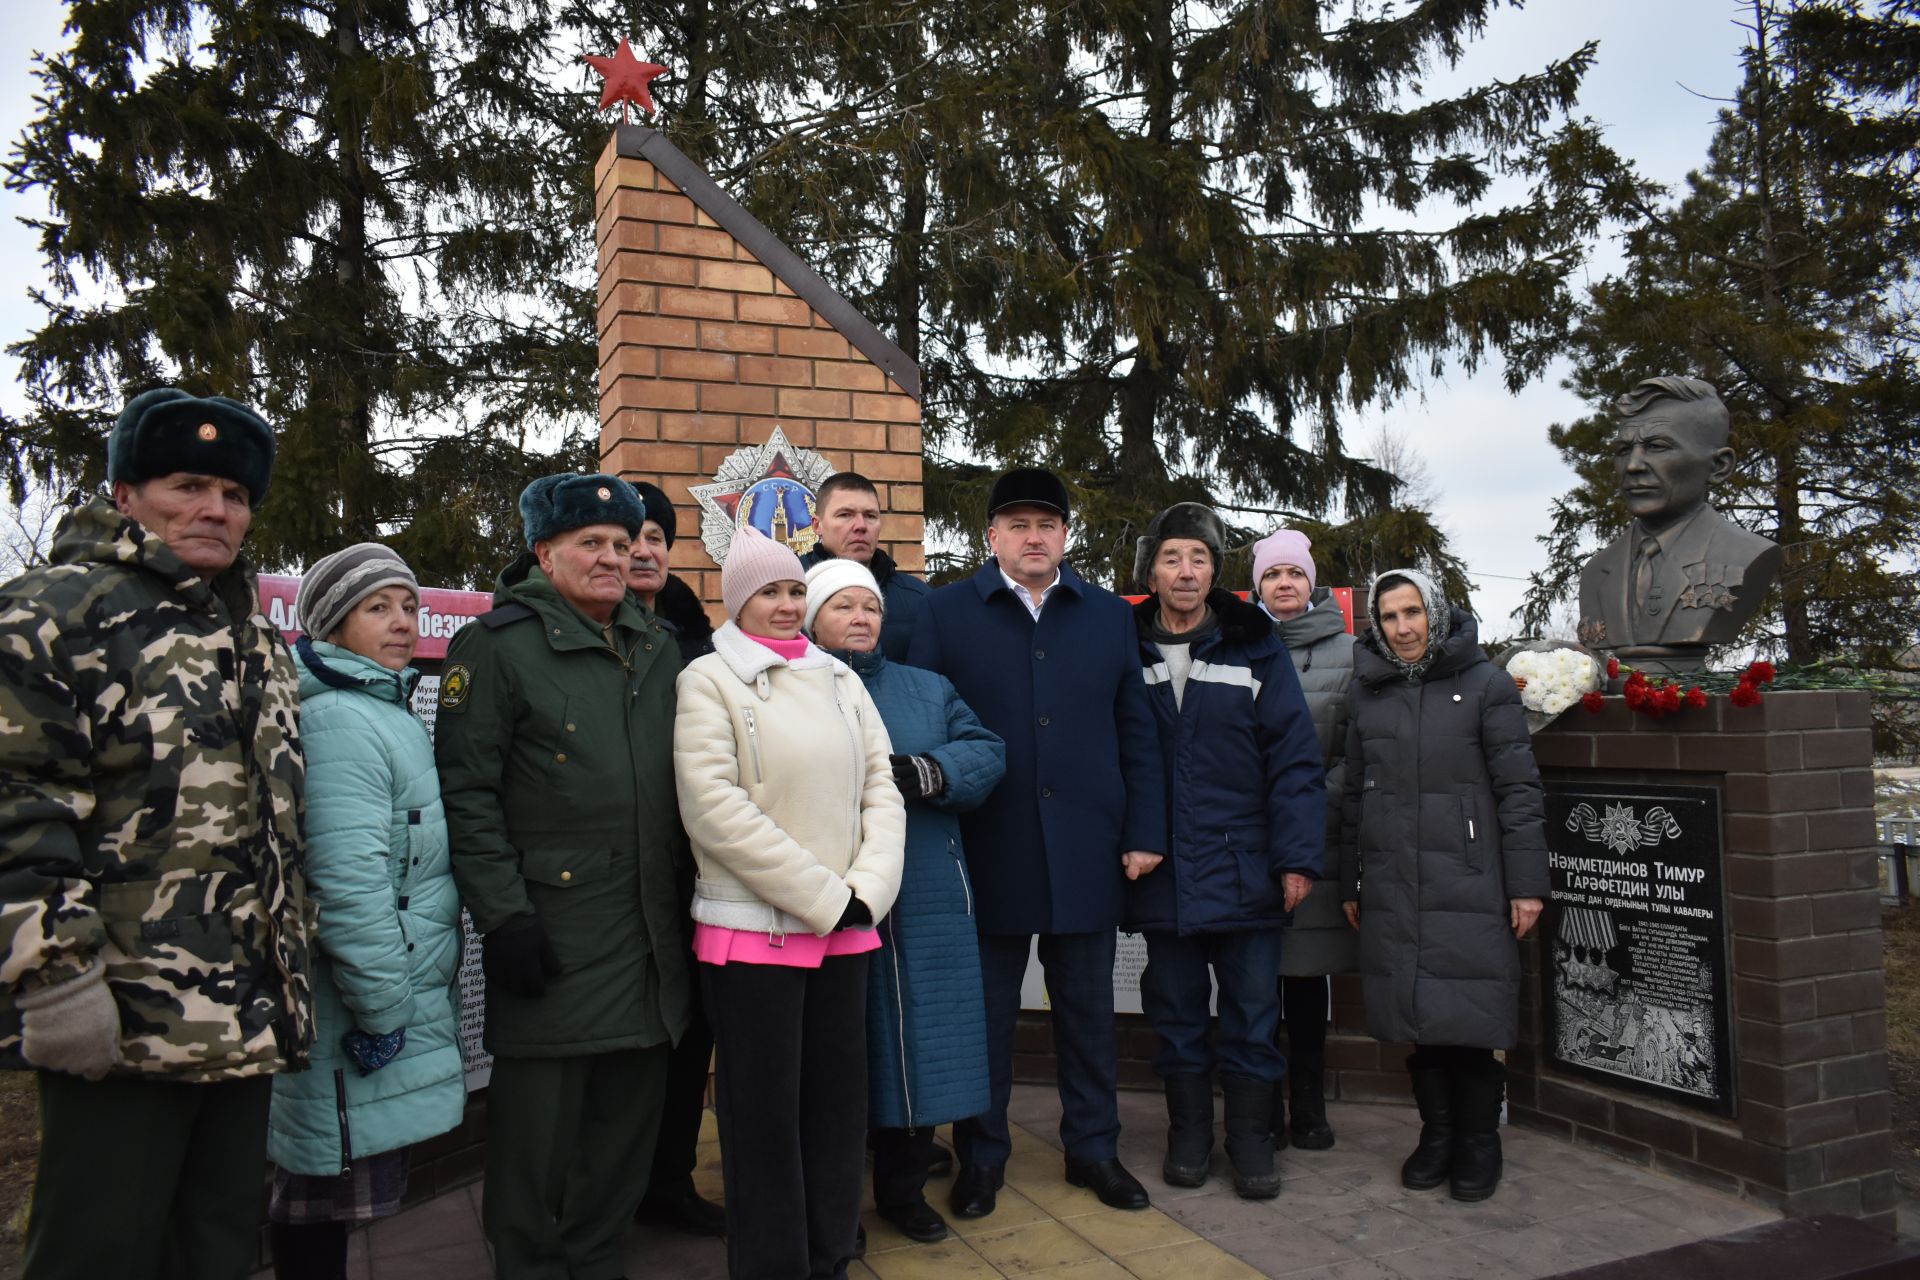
(712, 333)
(1811, 1133)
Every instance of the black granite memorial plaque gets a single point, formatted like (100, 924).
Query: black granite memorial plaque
(1634, 943)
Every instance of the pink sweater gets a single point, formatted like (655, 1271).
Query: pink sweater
(715, 945)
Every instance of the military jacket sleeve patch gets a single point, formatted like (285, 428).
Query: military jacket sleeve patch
(454, 686)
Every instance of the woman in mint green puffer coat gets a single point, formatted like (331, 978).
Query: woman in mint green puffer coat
(386, 1069)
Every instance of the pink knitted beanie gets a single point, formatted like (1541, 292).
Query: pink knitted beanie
(753, 561)
(1284, 546)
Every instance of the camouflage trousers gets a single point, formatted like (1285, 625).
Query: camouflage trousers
(144, 1179)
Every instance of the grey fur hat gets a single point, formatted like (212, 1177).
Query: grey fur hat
(1181, 520)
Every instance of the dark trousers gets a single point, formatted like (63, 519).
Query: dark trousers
(1459, 1059)
(791, 1089)
(1079, 969)
(1173, 994)
(678, 1149)
(144, 1179)
(900, 1166)
(1303, 1008)
(569, 1143)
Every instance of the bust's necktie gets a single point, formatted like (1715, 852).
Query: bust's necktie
(1643, 567)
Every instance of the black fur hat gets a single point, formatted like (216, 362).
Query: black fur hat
(1181, 520)
(552, 505)
(1028, 487)
(659, 508)
(166, 430)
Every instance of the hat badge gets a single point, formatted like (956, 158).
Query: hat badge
(606, 494)
(209, 432)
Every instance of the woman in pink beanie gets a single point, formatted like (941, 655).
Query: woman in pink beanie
(1321, 942)
(786, 790)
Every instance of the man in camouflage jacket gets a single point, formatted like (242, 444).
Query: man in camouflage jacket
(154, 922)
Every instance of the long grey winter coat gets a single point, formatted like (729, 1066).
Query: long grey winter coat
(1321, 940)
(1445, 813)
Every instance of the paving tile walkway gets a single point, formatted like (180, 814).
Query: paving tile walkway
(1342, 1215)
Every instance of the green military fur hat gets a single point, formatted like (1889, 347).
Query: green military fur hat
(166, 430)
(552, 505)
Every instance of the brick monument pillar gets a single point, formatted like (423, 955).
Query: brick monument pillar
(713, 333)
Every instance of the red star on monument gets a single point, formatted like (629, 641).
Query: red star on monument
(626, 78)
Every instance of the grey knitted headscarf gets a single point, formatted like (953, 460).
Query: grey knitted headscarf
(1439, 622)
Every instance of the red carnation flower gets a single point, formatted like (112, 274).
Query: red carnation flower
(1744, 695)
(1593, 702)
(1759, 673)
(1697, 698)
(1669, 697)
(1636, 696)
(1613, 669)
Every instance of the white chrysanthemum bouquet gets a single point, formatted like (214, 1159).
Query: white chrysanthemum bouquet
(1553, 676)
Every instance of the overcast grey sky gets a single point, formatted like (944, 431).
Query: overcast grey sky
(1488, 450)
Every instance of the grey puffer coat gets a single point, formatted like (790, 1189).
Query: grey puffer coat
(1444, 811)
(1321, 940)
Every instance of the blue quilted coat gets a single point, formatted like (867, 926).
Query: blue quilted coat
(389, 938)
(926, 1015)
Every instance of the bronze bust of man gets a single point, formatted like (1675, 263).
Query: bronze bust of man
(1682, 576)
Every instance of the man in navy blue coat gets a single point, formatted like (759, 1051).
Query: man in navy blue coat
(1050, 663)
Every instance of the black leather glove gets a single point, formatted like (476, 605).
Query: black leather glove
(918, 777)
(856, 916)
(518, 957)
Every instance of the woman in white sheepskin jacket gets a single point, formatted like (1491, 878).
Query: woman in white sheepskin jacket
(787, 794)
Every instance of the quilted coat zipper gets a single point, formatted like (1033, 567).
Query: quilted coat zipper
(900, 1010)
(340, 1108)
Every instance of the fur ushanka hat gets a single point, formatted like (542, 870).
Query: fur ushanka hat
(166, 430)
(553, 505)
(1181, 520)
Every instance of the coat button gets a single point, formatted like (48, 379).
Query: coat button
(1039, 653)
(566, 875)
(1044, 720)
(649, 648)
(1456, 697)
(561, 758)
(1046, 793)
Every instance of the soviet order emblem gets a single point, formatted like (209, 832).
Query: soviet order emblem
(455, 685)
(605, 494)
(209, 432)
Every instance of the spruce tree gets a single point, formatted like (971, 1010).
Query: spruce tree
(370, 219)
(1164, 248)
(1784, 276)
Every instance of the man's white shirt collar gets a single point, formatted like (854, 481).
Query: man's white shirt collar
(1027, 597)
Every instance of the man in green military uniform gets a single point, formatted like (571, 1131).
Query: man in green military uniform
(555, 745)
(154, 922)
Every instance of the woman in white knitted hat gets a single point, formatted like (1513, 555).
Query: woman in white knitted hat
(787, 793)
(386, 1066)
(926, 1014)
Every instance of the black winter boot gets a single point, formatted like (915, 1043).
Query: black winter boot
(1306, 1077)
(1427, 1167)
(1250, 1136)
(308, 1250)
(1280, 1114)
(1476, 1137)
(1189, 1129)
